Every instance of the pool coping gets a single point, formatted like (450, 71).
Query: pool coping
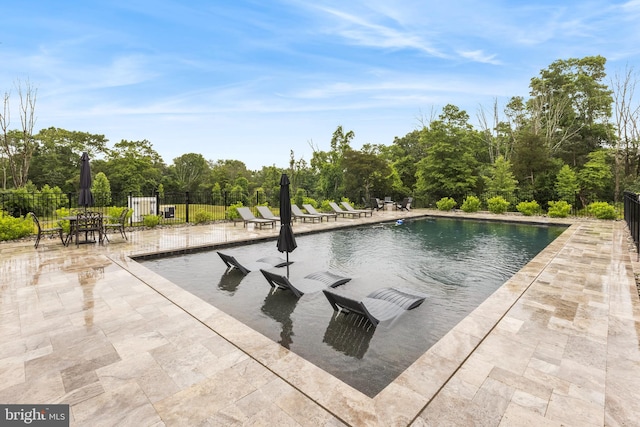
(401, 402)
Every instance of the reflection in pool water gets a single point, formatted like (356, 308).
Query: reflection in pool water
(457, 263)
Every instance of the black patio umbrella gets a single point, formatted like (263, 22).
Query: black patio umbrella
(286, 239)
(86, 197)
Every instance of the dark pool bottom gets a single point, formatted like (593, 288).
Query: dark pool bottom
(457, 263)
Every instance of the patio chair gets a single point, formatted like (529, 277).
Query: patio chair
(376, 204)
(309, 208)
(246, 268)
(249, 218)
(88, 223)
(297, 213)
(350, 208)
(343, 213)
(266, 213)
(46, 231)
(405, 205)
(313, 282)
(117, 226)
(382, 305)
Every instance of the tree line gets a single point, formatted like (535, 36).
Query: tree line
(575, 137)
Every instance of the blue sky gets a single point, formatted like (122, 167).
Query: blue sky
(252, 80)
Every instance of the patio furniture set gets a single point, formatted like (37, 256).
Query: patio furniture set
(84, 223)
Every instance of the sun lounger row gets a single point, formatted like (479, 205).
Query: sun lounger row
(268, 218)
(382, 305)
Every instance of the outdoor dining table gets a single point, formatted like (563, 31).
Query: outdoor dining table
(74, 230)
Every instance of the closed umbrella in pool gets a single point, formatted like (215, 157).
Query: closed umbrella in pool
(86, 197)
(286, 239)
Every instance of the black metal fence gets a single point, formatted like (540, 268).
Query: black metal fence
(168, 207)
(632, 217)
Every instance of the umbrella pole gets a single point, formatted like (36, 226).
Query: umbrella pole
(287, 265)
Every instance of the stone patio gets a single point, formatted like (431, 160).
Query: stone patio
(557, 345)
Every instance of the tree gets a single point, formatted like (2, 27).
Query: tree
(449, 168)
(501, 180)
(240, 190)
(55, 160)
(133, 166)
(404, 154)
(571, 106)
(497, 135)
(189, 171)
(18, 146)
(216, 194)
(566, 186)
(268, 178)
(627, 136)
(594, 177)
(530, 159)
(225, 172)
(365, 171)
(329, 165)
(101, 190)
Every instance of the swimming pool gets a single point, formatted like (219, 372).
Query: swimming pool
(457, 263)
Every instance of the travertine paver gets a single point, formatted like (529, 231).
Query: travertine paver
(556, 345)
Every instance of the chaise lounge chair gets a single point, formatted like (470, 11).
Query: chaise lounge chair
(266, 262)
(350, 208)
(379, 306)
(266, 213)
(313, 282)
(342, 212)
(309, 208)
(405, 205)
(297, 213)
(249, 218)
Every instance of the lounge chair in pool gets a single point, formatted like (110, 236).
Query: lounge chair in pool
(405, 205)
(249, 218)
(350, 208)
(339, 211)
(246, 268)
(349, 335)
(266, 213)
(309, 208)
(296, 212)
(313, 282)
(382, 305)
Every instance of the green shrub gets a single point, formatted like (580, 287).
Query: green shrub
(114, 212)
(446, 204)
(15, 228)
(602, 210)
(64, 223)
(232, 211)
(310, 201)
(151, 220)
(471, 204)
(202, 216)
(528, 208)
(325, 207)
(299, 196)
(560, 209)
(497, 205)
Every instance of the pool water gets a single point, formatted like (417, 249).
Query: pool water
(457, 263)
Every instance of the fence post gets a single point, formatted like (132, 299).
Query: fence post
(186, 207)
(157, 202)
